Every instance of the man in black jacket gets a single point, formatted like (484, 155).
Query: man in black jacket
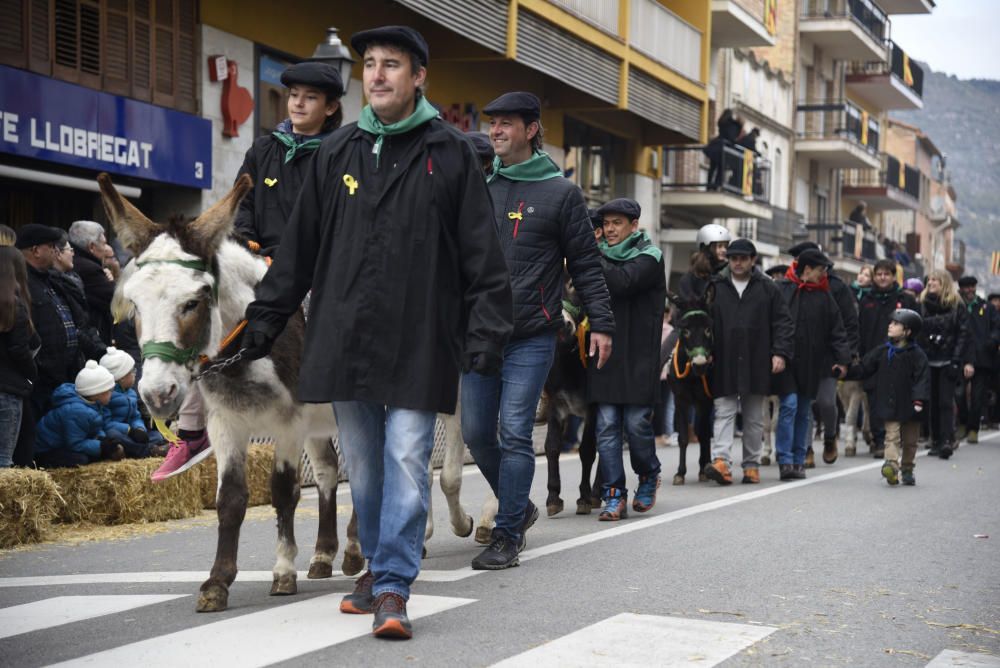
(875, 309)
(983, 326)
(394, 234)
(752, 341)
(90, 247)
(627, 387)
(541, 219)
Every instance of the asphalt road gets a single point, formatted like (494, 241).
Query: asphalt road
(839, 569)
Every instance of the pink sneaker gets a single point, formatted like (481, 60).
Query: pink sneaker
(182, 456)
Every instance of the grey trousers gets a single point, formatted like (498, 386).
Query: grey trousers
(751, 406)
(826, 403)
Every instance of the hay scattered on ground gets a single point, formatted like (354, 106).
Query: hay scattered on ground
(29, 502)
(107, 493)
(260, 460)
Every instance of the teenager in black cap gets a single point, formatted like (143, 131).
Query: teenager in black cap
(277, 162)
(541, 220)
(393, 233)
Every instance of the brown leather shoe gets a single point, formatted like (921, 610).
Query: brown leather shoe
(361, 601)
(751, 476)
(390, 617)
(719, 472)
(810, 460)
(830, 450)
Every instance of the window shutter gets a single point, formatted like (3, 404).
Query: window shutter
(13, 45)
(186, 99)
(116, 48)
(66, 44)
(142, 76)
(90, 44)
(40, 27)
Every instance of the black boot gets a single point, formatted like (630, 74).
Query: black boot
(501, 554)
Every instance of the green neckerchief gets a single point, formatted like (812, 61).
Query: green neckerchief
(369, 122)
(310, 144)
(636, 244)
(539, 167)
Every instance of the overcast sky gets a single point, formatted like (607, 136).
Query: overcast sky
(959, 37)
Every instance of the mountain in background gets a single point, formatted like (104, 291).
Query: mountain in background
(961, 117)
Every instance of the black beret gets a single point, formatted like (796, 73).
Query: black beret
(402, 36)
(323, 76)
(967, 282)
(741, 247)
(797, 249)
(526, 105)
(777, 271)
(812, 257)
(481, 142)
(623, 205)
(34, 234)
(993, 295)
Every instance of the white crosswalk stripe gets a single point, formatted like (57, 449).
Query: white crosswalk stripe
(629, 639)
(260, 638)
(60, 610)
(950, 657)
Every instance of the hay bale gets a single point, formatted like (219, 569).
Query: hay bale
(29, 502)
(121, 493)
(260, 461)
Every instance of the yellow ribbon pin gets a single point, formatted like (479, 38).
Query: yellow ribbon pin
(269, 181)
(515, 215)
(351, 183)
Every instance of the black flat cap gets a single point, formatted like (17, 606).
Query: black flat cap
(317, 75)
(797, 249)
(481, 142)
(402, 36)
(993, 295)
(964, 282)
(741, 247)
(777, 271)
(623, 205)
(34, 234)
(526, 105)
(812, 257)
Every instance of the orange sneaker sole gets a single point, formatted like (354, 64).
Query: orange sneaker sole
(393, 628)
(348, 608)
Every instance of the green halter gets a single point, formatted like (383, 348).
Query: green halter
(168, 350)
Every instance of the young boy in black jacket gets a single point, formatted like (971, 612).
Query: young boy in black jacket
(902, 389)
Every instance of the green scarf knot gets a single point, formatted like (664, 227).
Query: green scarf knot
(423, 112)
(293, 146)
(636, 244)
(539, 167)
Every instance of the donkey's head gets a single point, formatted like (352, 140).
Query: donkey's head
(172, 289)
(694, 325)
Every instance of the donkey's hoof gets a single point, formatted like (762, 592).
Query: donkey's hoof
(319, 570)
(484, 535)
(214, 598)
(595, 502)
(423, 552)
(678, 479)
(554, 507)
(284, 585)
(765, 460)
(702, 477)
(583, 507)
(470, 524)
(353, 563)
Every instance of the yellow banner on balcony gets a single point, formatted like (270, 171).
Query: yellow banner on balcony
(902, 176)
(907, 72)
(771, 16)
(748, 172)
(864, 128)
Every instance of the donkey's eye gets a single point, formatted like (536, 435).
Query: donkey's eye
(708, 331)
(190, 305)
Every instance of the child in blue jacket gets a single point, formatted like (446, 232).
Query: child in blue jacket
(122, 417)
(72, 432)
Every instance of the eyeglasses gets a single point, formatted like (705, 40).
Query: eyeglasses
(65, 249)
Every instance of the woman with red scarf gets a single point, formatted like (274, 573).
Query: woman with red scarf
(821, 349)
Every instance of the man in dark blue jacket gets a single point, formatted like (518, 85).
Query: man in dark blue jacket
(983, 326)
(541, 220)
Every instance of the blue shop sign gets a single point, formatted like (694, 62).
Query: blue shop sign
(61, 122)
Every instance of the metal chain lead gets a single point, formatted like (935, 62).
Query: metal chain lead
(220, 366)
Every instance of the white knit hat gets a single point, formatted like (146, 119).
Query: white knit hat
(93, 379)
(118, 362)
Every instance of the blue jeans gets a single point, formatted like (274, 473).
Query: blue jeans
(792, 435)
(388, 455)
(637, 423)
(10, 425)
(506, 456)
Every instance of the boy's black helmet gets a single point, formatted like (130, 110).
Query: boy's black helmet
(909, 319)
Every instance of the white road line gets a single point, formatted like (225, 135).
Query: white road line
(156, 577)
(643, 640)
(950, 657)
(60, 610)
(260, 638)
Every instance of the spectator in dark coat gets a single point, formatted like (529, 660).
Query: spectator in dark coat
(984, 338)
(90, 248)
(18, 342)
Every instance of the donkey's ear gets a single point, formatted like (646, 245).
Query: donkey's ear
(709, 295)
(134, 230)
(206, 233)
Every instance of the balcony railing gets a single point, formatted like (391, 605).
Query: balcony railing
(899, 66)
(863, 12)
(860, 247)
(785, 229)
(665, 37)
(603, 13)
(894, 174)
(838, 120)
(740, 171)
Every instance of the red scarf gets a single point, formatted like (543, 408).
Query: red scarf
(822, 286)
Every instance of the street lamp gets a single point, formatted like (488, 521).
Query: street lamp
(334, 52)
